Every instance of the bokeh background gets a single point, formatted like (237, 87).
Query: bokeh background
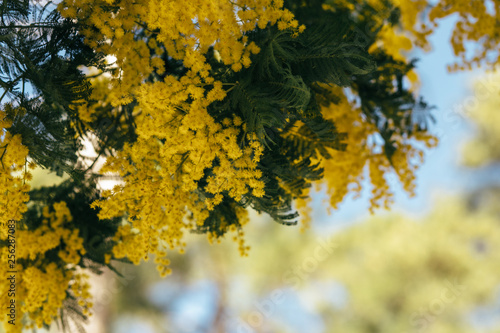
(430, 264)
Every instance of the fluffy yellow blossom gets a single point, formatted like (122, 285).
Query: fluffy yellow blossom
(54, 232)
(394, 44)
(183, 30)
(14, 173)
(178, 140)
(345, 172)
(42, 285)
(160, 176)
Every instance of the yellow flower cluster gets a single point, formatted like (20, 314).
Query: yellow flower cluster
(13, 198)
(53, 232)
(184, 30)
(160, 176)
(410, 11)
(392, 43)
(477, 24)
(80, 288)
(14, 173)
(346, 170)
(45, 291)
(239, 237)
(178, 141)
(42, 286)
